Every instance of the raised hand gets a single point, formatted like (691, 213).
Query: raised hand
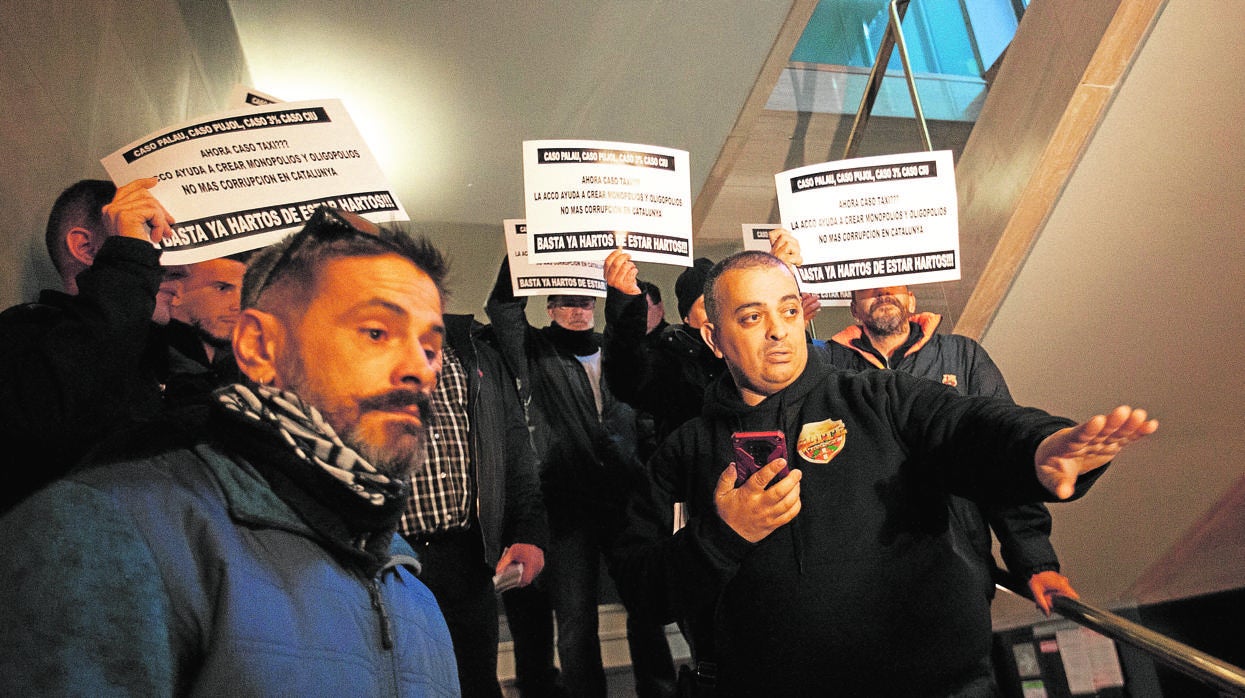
(135, 213)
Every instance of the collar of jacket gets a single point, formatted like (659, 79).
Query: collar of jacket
(460, 332)
(572, 342)
(684, 339)
(851, 336)
(266, 484)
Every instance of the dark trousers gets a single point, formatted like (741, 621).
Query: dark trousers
(572, 580)
(454, 569)
(530, 617)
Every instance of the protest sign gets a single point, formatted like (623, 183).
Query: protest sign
(756, 237)
(887, 220)
(243, 96)
(245, 178)
(561, 278)
(585, 198)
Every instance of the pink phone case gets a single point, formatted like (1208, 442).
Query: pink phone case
(754, 449)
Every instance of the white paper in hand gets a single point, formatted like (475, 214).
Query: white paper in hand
(509, 577)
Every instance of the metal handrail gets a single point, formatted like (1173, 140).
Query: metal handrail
(892, 37)
(1189, 661)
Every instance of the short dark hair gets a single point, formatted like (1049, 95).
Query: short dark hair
(691, 284)
(243, 257)
(80, 205)
(748, 259)
(294, 263)
(650, 289)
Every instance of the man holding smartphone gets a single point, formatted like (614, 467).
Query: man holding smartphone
(840, 576)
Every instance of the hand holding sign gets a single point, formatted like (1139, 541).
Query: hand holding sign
(135, 213)
(621, 273)
(783, 245)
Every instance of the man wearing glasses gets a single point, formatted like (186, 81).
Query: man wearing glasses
(254, 552)
(585, 439)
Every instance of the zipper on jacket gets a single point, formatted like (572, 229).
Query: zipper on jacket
(378, 604)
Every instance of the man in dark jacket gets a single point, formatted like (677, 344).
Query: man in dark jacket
(475, 508)
(839, 577)
(665, 377)
(892, 335)
(585, 440)
(77, 364)
(204, 311)
(256, 555)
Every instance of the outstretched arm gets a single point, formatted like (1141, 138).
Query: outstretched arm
(1069, 453)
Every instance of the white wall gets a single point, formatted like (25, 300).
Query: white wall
(1133, 294)
(81, 79)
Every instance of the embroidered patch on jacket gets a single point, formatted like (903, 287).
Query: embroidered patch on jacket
(949, 379)
(821, 441)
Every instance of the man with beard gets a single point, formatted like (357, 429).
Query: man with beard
(839, 576)
(206, 308)
(892, 335)
(210, 300)
(254, 551)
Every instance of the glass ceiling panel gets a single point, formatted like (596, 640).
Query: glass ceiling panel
(951, 44)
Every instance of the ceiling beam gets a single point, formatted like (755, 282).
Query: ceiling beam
(779, 57)
(1008, 189)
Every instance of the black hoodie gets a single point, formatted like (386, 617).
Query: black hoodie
(862, 593)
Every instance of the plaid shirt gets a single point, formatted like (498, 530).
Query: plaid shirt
(442, 491)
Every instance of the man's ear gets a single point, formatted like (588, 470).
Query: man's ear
(911, 303)
(82, 245)
(706, 333)
(258, 339)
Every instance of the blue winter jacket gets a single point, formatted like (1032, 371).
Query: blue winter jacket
(184, 574)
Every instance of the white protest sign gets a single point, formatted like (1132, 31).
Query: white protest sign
(563, 278)
(243, 96)
(887, 220)
(585, 198)
(756, 237)
(245, 178)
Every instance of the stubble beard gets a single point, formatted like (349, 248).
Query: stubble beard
(396, 462)
(887, 325)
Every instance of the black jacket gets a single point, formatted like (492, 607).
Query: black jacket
(587, 460)
(665, 375)
(863, 593)
(508, 491)
(1024, 530)
(75, 368)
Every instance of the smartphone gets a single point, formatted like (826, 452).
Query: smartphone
(754, 449)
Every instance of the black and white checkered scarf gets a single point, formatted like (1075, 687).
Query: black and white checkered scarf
(312, 438)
